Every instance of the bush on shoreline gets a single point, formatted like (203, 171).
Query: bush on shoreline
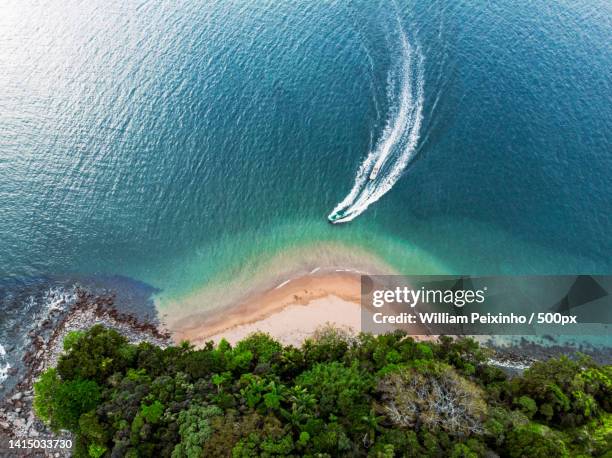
(370, 396)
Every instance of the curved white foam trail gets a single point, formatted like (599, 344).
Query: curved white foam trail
(399, 140)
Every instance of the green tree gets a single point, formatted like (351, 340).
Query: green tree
(340, 390)
(71, 339)
(528, 406)
(96, 355)
(96, 450)
(337, 395)
(61, 404)
(194, 430)
(535, 441)
(567, 391)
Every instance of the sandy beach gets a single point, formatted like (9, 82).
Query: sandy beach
(293, 324)
(290, 312)
(294, 307)
(319, 282)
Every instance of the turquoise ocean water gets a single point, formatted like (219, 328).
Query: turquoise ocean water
(175, 143)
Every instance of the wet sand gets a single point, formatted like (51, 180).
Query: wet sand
(290, 312)
(305, 302)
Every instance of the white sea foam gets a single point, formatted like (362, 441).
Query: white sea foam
(37, 309)
(399, 140)
(283, 284)
(4, 365)
(58, 299)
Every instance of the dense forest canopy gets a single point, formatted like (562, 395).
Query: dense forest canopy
(337, 395)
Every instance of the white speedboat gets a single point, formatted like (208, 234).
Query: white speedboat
(337, 217)
(375, 170)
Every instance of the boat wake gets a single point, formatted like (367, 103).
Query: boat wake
(385, 163)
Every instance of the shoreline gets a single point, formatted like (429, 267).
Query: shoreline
(79, 312)
(258, 276)
(326, 275)
(290, 312)
(314, 297)
(295, 308)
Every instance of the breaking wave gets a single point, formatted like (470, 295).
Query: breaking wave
(398, 142)
(4, 364)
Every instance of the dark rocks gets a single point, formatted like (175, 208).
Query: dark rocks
(17, 419)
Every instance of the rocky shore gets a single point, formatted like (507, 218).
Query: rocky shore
(17, 419)
(82, 309)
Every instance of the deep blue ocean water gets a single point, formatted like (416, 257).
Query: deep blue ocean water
(171, 142)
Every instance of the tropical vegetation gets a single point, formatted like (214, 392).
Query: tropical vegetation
(335, 396)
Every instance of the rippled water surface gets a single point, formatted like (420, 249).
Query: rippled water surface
(172, 142)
